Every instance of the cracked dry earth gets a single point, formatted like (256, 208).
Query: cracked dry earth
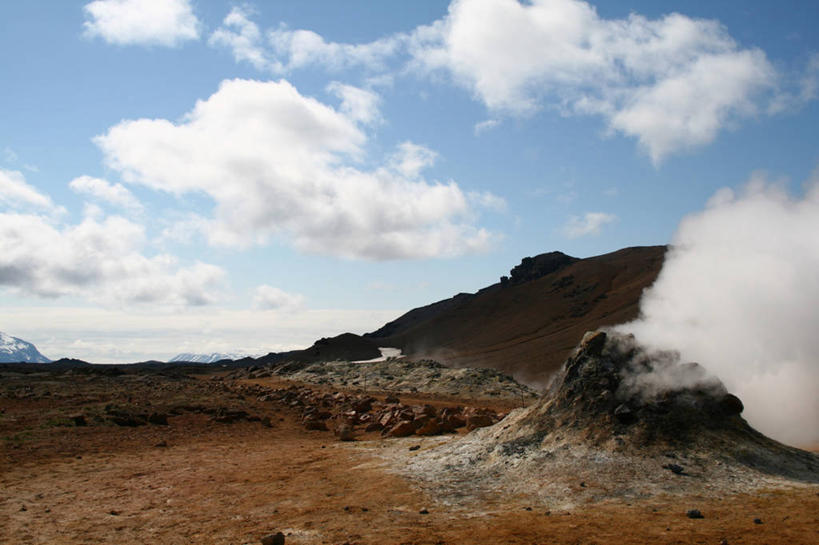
(233, 483)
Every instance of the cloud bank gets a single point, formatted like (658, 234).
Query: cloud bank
(739, 294)
(142, 22)
(277, 163)
(672, 83)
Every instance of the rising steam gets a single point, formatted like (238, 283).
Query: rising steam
(739, 293)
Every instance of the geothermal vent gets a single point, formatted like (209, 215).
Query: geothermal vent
(617, 421)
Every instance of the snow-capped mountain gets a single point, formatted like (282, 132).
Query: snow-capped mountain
(206, 358)
(13, 350)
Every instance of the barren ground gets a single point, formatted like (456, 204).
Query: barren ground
(220, 483)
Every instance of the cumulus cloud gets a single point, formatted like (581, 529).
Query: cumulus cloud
(358, 104)
(277, 163)
(115, 194)
(100, 259)
(739, 294)
(142, 22)
(516, 57)
(270, 298)
(244, 39)
(281, 50)
(410, 159)
(16, 192)
(589, 223)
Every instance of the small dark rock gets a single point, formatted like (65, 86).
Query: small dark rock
(675, 469)
(624, 414)
(415, 447)
(423, 511)
(113, 512)
(273, 539)
(158, 419)
(694, 514)
(161, 444)
(78, 419)
(757, 521)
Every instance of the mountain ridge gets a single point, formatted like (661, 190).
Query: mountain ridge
(15, 350)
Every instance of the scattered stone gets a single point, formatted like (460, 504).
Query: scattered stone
(757, 521)
(23, 508)
(158, 419)
(694, 514)
(113, 512)
(423, 511)
(415, 447)
(675, 469)
(273, 539)
(344, 432)
(78, 419)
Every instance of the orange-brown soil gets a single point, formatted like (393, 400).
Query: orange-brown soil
(220, 483)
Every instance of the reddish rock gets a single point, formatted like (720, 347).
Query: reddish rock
(432, 427)
(405, 428)
(312, 424)
(478, 421)
(344, 432)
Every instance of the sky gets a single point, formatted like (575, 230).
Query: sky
(209, 176)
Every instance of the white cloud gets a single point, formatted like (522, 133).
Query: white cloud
(277, 163)
(410, 159)
(115, 194)
(271, 298)
(142, 22)
(16, 192)
(486, 125)
(99, 259)
(243, 37)
(739, 294)
(589, 224)
(517, 57)
(282, 49)
(358, 104)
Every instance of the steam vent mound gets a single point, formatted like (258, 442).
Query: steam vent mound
(617, 422)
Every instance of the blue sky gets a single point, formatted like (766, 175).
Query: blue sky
(216, 176)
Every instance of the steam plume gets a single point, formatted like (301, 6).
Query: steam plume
(739, 293)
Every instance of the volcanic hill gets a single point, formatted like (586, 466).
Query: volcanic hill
(527, 324)
(617, 421)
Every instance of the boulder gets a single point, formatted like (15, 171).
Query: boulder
(405, 428)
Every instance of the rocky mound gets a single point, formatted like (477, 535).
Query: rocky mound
(400, 376)
(618, 421)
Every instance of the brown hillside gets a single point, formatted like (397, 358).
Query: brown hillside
(527, 326)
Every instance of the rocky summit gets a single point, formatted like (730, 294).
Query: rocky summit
(618, 421)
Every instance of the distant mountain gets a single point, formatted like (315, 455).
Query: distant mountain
(205, 358)
(527, 324)
(346, 347)
(14, 350)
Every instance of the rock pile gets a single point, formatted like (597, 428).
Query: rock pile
(345, 413)
(398, 375)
